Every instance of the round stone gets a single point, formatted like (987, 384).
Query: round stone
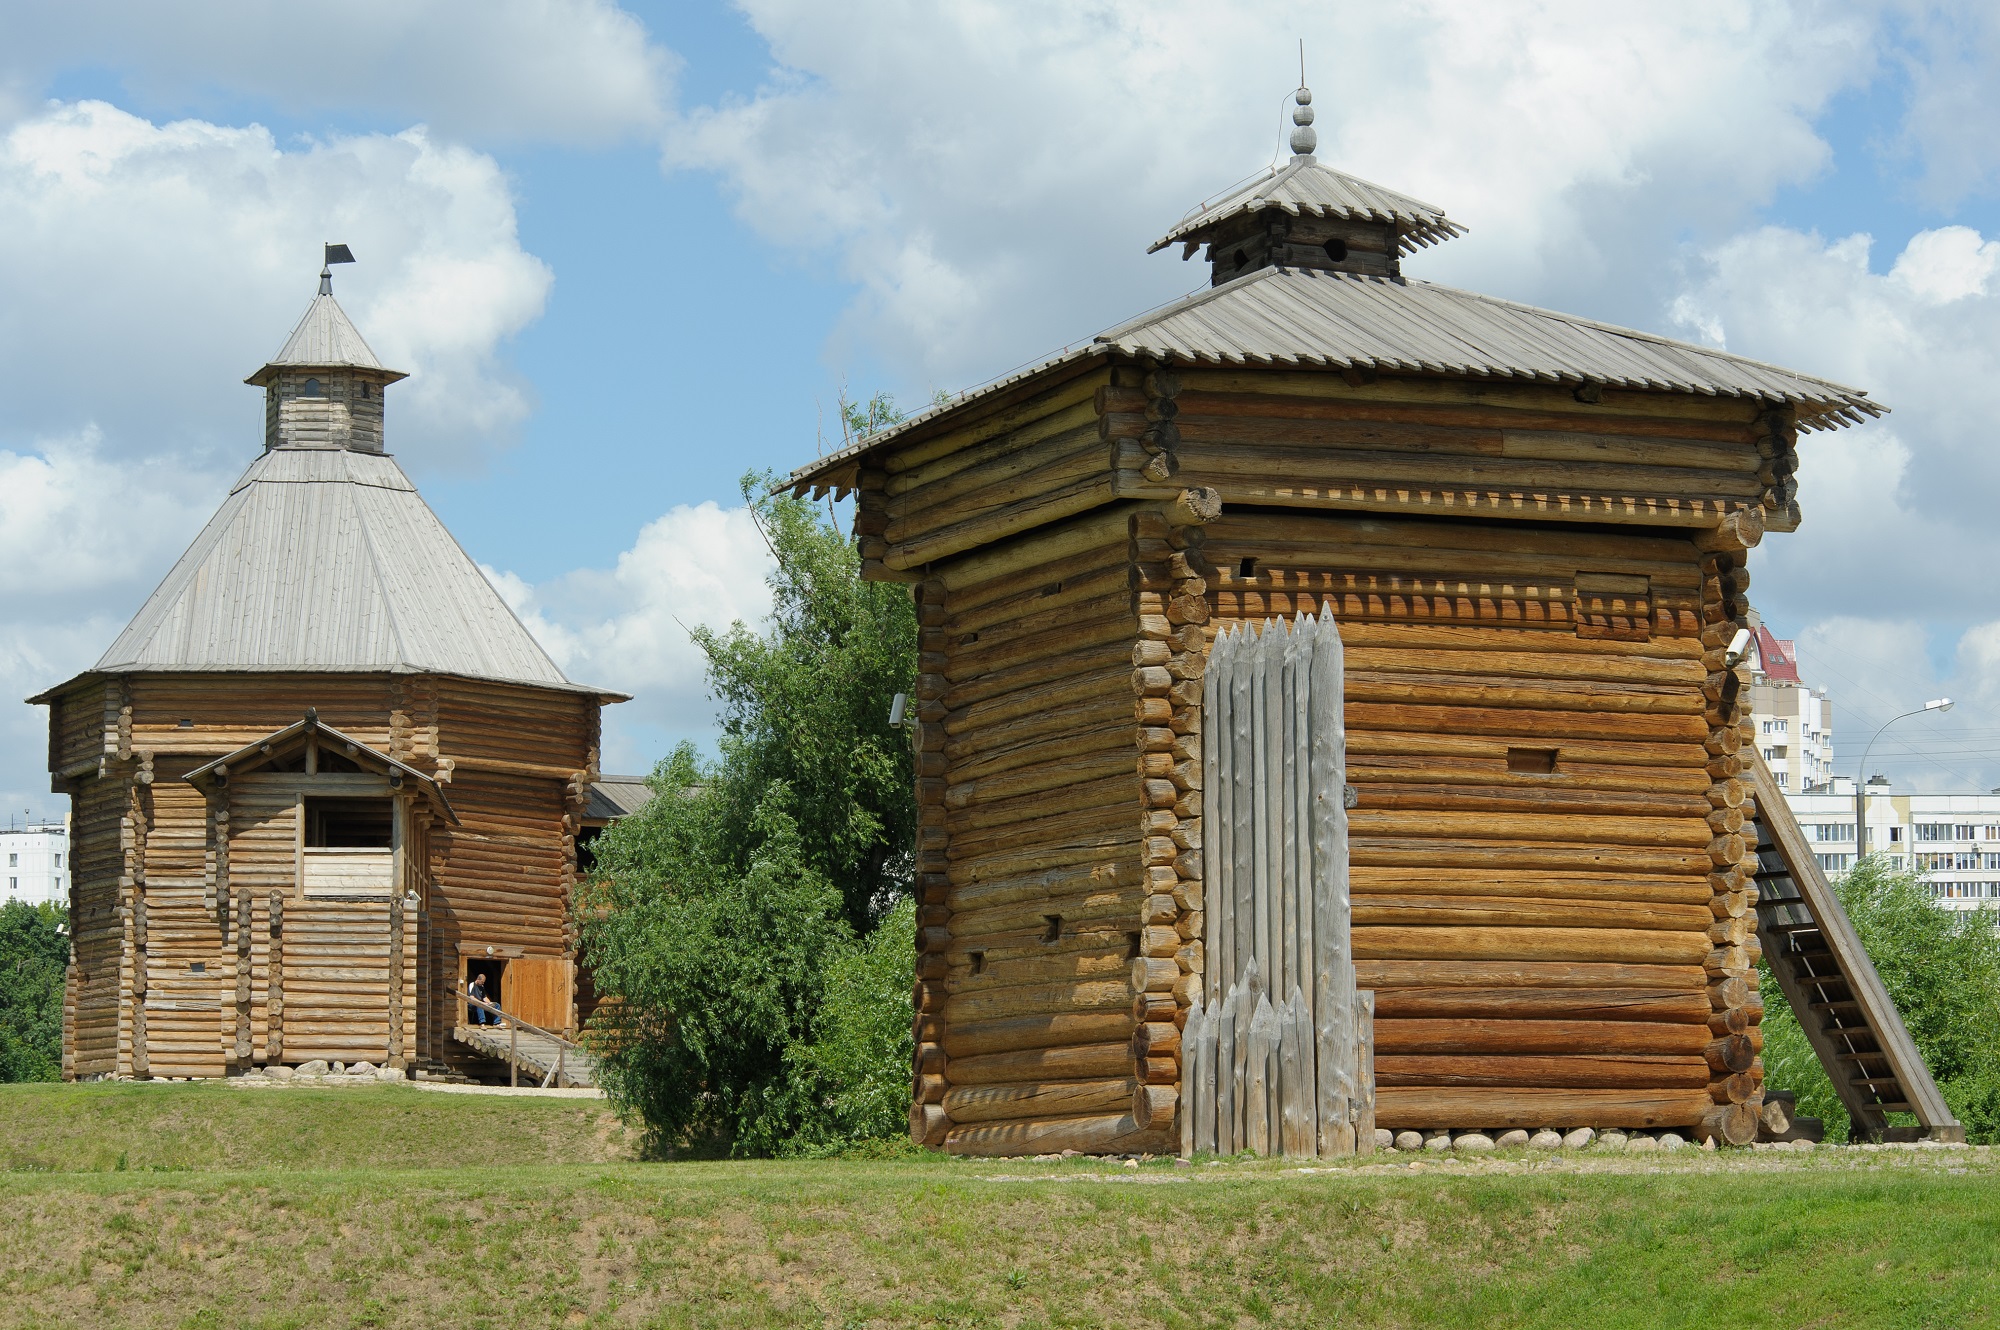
(1545, 1139)
(1438, 1142)
(1473, 1142)
(1512, 1140)
(1577, 1139)
(1409, 1140)
(1640, 1144)
(1612, 1140)
(1385, 1139)
(1671, 1140)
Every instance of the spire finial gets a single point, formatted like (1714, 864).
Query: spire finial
(334, 254)
(1304, 140)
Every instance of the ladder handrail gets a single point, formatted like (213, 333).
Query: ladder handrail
(1878, 1009)
(499, 1010)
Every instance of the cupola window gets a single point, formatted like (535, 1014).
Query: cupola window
(311, 388)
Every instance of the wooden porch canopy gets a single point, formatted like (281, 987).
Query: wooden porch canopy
(282, 743)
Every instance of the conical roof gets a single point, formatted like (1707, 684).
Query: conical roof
(325, 339)
(1305, 188)
(328, 559)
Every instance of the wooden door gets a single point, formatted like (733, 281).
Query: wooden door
(538, 990)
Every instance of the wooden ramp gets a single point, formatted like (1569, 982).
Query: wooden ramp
(535, 1055)
(1832, 986)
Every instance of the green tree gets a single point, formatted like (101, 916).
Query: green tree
(748, 926)
(34, 952)
(1941, 967)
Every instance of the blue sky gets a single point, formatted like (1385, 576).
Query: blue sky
(636, 252)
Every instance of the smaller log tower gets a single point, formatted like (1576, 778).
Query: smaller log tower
(1530, 530)
(323, 770)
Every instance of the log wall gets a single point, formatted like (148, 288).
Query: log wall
(1030, 879)
(1539, 842)
(196, 951)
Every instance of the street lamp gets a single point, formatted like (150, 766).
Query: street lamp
(1940, 704)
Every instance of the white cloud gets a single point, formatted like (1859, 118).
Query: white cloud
(626, 627)
(1947, 264)
(566, 71)
(990, 174)
(150, 267)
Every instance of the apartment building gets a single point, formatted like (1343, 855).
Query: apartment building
(34, 863)
(1793, 719)
(1952, 839)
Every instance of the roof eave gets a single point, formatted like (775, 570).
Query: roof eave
(269, 373)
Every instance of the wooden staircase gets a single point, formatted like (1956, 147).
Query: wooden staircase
(548, 1059)
(1827, 977)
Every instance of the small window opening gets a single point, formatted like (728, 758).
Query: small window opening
(968, 639)
(186, 723)
(1336, 250)
(1248, 568)
(1131, 946)
(311, 388)
(1052, 589)
(979, 962)
(347, 824)
(1053, 933)
(1536, 761)
(364, 392)
(1240, 259)
(198, 967)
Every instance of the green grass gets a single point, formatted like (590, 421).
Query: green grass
(1834, 1239)
(151, 1126)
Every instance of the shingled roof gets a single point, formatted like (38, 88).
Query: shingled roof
(329, 559)
(1305, 188)
(325, 339)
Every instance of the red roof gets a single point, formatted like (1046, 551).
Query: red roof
(1779, 656)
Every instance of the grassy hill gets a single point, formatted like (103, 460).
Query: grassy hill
(393, 1207)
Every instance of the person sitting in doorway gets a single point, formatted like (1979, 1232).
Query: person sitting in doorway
(476, 990)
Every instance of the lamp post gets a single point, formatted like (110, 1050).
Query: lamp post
(1940, 705)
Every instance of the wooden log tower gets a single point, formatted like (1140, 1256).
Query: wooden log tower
(322, 774)
(1531, 531)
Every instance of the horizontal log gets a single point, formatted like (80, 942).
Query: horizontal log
(1567, 801)
(1498, 662)
(1041, 588)
(1475, 403)
(1554, 727)
(1468, 1035)
(970, 1038)
(995, 525)
(1644, 832)
(1102, 802)
(1079, 1062)
(1400, 1107)
(1619, 945)
(1095, 723)
(1684, 1005)
(1388, 852)
(993, 417)
(1077, 676)
(1085, 882)
(1095, 996)
(1475, 776)
(1091, 1134)
(1459, 881)
(1581, 1071)
(1113, 909)
(1472, 690)
(1229, 455)
(1524, 912)
(1044, 1099)
(1418, 497)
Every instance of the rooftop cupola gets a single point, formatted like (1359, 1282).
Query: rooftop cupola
(1305, 215)
(324, 387)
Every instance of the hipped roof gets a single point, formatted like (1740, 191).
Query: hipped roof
(1305, 188)
(329, 559)
(325, 339)
(1299, 318)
